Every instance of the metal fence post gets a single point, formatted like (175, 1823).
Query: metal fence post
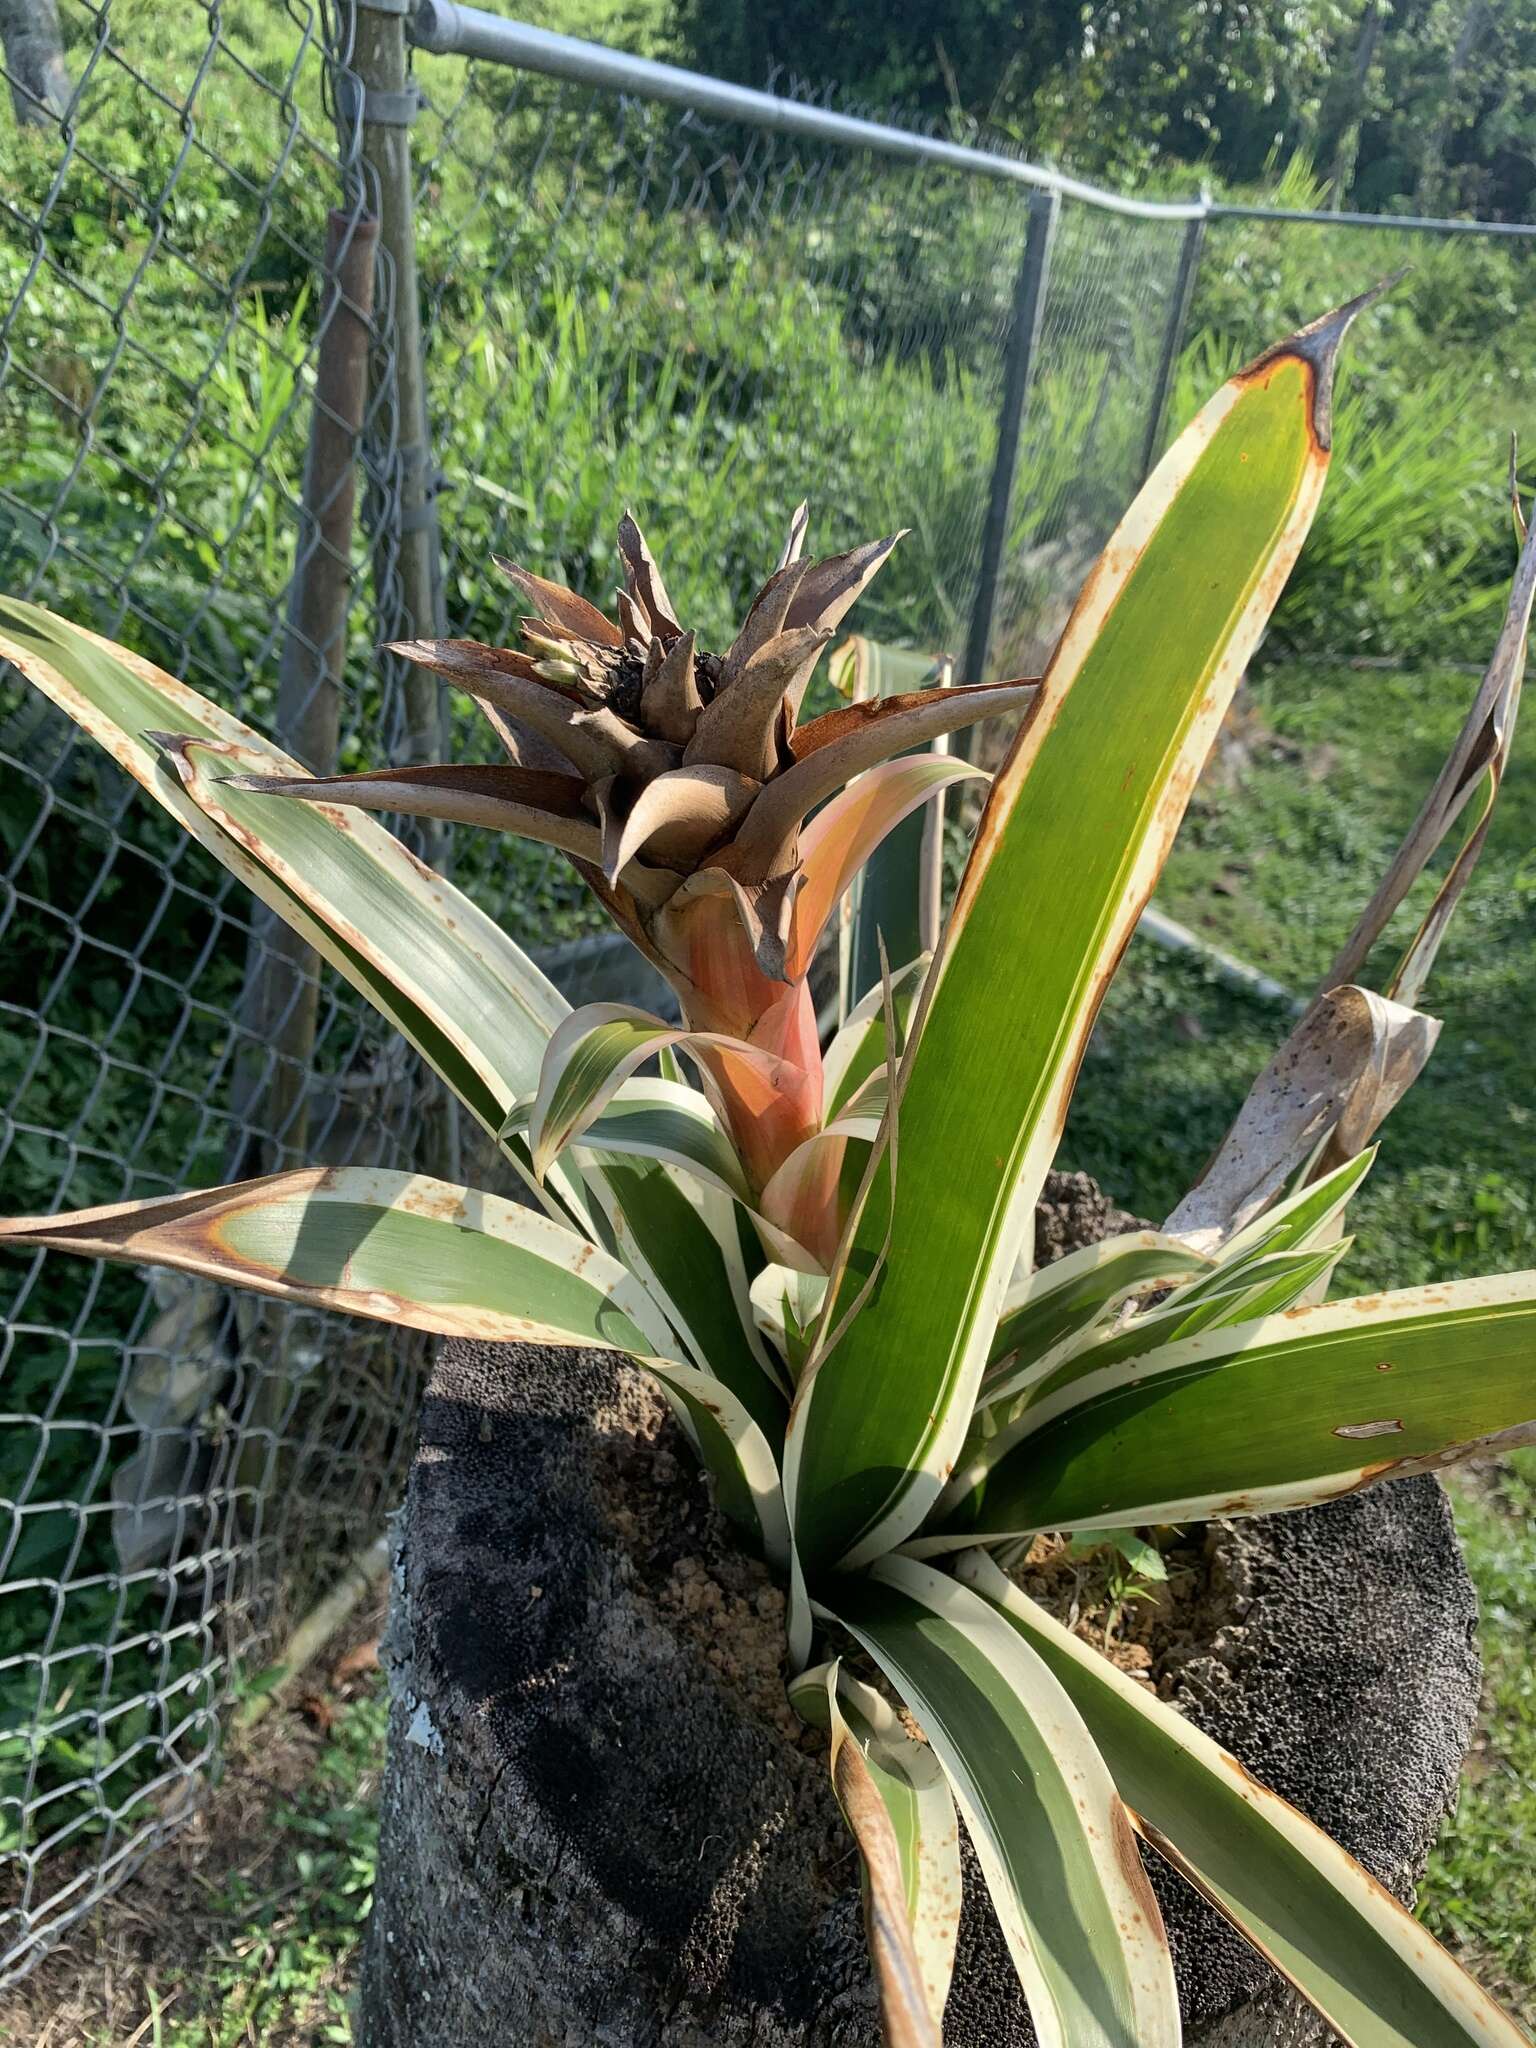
(1173, 340)
(380, 98)
(384, 107)
(1018, 373)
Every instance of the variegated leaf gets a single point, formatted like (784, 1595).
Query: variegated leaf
(1297, 1408)
(1075, 832)
(1370, 1968)
(1048, 1827)
(898, 1806)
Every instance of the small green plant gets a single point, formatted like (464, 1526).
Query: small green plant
(822, 1255)
(273, 1937)
(1133, 1567)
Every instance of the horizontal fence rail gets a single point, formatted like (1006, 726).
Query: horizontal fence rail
(449, 29)
(1410, 223)
(305, 314)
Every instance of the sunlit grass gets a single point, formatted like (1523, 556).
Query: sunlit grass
(280, 1937)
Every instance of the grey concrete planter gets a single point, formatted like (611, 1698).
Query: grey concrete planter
(588, 1840)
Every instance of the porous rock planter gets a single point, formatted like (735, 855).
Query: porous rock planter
(600, 1825)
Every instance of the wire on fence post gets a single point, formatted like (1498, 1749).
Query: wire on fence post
(1018, 372)
(1173, 340)
(281, 989)
(384, 104)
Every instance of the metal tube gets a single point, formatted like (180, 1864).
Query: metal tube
(448, 29)
(406, 540)
(1173, 341)
(1018, 372)
(379, 63)
(1413, 223)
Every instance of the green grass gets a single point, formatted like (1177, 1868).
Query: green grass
(1480, 1891)
(1274, 869)
(280, 1934)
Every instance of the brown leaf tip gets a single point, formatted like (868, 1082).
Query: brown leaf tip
(1317, 345)
(174, 745)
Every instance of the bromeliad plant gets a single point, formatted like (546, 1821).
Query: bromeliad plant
(824, 1259)
(678, 783)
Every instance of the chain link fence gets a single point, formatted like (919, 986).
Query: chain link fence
(180, 1471)
(213, 255)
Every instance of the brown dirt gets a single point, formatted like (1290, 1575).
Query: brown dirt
(708, 1591)
(1157, 1632)
(692, 1567)
(1073, 1211)
(93, 1986)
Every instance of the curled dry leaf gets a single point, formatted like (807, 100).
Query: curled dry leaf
(1348, 1063)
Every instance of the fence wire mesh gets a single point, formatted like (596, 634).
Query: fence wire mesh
(178, 1475)
(623, 303)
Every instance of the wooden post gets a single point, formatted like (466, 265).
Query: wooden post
(377, 101)
(282, 988)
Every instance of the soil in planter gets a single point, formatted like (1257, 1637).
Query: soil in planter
(1251, 1636)
(706, 1589)
(690, 1565)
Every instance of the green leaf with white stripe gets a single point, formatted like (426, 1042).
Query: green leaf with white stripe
(594, 1051)
(897, 1803)
(1376, 1975)
(401, 1248)
(785, 1305)
(858, 1048)
(1262, 1287)
(1259, 1287)
(1071, 1295)
(439, 969)
(651, 1118)
(736, 1454)
(1015, 1407)
(1305, 1219)
(1075, 832)
(396, 1247)
(1275, 1414)
(681, 1243)
(1048, 1827)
